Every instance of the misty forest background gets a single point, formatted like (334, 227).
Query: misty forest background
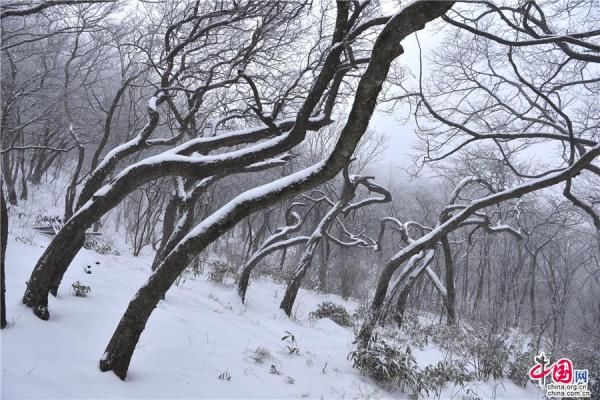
(244, 140)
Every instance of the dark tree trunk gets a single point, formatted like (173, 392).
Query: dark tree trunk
(168, 226)
(244, 279)
(122, 344)
(324, 259)
(72, 189)
(24, 193)
(401, 306)
(47, 275)
(3, 243)
(450, 298)
(294, 285)
(320, 231)
(532, 290)
(55, 261)
(23, 176)
(42, 166)
(11, 193)
(184, 225)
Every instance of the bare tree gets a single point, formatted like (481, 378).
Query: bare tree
(386, 48)
(341, 206)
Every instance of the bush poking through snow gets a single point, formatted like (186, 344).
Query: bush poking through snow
(387, 364)
(487, 352)
(518, 368)
(260, 355)
(470, 395)
(100, 246)
(219, 271)
(291, 343)
(334, 312)
(80, 290)
(273, 370)
(436, 376)
(225, 376)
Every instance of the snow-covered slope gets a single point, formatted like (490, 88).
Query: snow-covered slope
(200, 332)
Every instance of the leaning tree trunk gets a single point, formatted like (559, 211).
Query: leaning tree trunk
(244, 278)
(48, 273)
(168, 226)
(184, 225)
(54, 262)
(303, 266)
(387, 47)
(341, 206)
(3, 243)
(278, 241)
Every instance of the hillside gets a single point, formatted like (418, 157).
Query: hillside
(199, 332)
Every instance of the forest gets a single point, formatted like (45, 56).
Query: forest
(300, 199)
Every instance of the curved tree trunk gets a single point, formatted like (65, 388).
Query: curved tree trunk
(47, 275)
(55, 262)
(244, 278)
(303, 266)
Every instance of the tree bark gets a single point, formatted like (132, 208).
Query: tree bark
(401, 306)
(532, 291)
(244, 278)
(3, 243)
(324, 259)
(168, 226)
(11, 193)
(294, 285)
(450, 297)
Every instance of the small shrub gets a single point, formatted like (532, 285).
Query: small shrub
(334, 312)
(434, 377)
(225, 376)
(490, 353)
(291, 343)
(260, 355)
(386, 363)
(24, 236)
(470, 395)
(80, 290)
(100, 246)
(518, 368)
(274, 272)
(361, 312)
(273, 370)
(219, 271)
(487, 352)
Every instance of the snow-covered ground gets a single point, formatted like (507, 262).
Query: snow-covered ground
(200, 332)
